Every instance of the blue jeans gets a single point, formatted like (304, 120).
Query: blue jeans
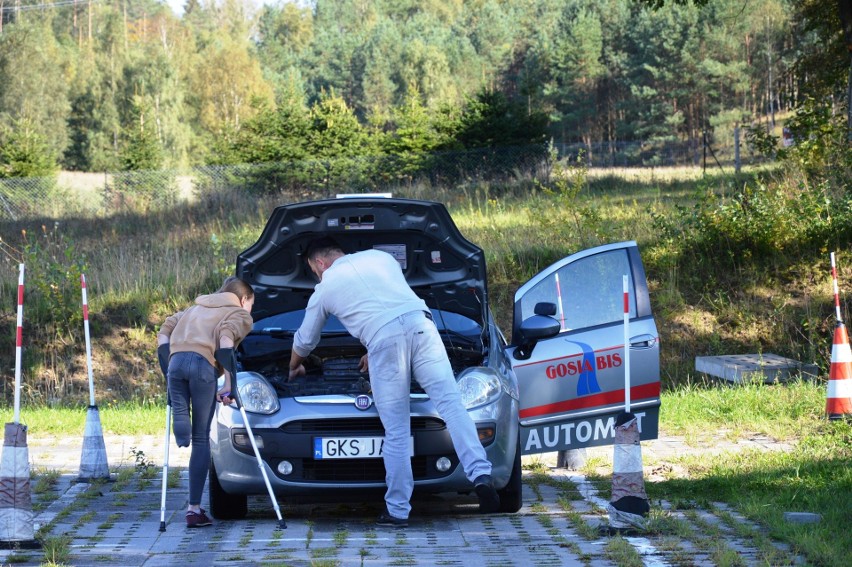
(192, 383)
(410, 345)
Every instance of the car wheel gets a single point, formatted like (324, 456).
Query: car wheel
(225, 506)
(511, 497)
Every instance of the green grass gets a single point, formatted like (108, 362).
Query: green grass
(706, 412)
(57, 550)
(127, 418)
(814, 476)
(622, 553)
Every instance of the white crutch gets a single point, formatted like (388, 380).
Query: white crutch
(163, 357)
(225, 356)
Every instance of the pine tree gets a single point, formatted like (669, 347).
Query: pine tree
(24, 152)
(33, 85)
(141, 150)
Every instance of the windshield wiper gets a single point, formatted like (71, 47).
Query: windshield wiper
(276, 332)
(279, 333)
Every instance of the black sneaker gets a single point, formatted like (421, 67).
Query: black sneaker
(389, 521)
(489, 500)
(197, 519)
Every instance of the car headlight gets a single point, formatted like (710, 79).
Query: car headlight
(256, 394)
(478, 388)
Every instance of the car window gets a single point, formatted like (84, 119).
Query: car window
(587, 292)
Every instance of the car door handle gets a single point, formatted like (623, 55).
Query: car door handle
(642, 342)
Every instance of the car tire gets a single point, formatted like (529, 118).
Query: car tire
(511, 496)
(224, 506)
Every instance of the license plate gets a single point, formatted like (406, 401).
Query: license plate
(352, 447)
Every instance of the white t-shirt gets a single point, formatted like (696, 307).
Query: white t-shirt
(365, 291)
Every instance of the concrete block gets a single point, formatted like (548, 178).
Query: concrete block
(767, 367)
(802, 517)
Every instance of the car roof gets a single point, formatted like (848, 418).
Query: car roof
(440, 265)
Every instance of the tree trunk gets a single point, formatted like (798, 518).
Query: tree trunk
(845, 9)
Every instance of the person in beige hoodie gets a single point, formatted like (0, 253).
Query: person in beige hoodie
(188, 345)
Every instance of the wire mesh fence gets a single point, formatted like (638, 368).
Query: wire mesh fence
(411, 175)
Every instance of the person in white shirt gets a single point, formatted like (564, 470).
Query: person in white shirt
(368, 293)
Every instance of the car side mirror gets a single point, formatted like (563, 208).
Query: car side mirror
(532, 330)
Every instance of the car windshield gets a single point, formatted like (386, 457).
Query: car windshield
(285, 324)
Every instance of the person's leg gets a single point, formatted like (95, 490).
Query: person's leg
(202, 391)
(178, 383)
(390, 381)
(432, 370)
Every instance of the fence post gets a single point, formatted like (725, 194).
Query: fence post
(737, 149)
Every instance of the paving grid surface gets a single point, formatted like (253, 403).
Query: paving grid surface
(117, 522)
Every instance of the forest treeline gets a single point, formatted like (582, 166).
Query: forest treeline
(116, 85)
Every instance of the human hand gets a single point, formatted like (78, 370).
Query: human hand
(296, 372)
(223, 395)
(364, 365)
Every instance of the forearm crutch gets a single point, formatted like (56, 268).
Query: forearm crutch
(163, 358)
(166, 440)
(225, 356)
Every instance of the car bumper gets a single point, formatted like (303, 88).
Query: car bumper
(292, 440)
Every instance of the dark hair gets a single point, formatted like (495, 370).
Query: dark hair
(320, 247)
(237, 286)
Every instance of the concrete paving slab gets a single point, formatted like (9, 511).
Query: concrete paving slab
(766, 367)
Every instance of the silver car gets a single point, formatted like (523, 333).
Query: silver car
(558, 385)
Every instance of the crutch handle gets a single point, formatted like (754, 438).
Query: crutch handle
(225, 357)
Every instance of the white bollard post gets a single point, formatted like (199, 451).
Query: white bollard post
(16, 513)
(628, 504)
(93, 461)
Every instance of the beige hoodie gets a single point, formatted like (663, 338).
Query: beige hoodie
(199, 328)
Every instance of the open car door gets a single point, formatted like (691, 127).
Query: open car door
(572, 382)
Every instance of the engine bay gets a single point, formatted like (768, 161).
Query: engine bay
(336, 371)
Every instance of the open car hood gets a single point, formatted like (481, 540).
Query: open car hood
(442, 267)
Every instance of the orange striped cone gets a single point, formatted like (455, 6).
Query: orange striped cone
(838, 402)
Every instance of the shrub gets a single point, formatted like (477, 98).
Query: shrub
(54, 268)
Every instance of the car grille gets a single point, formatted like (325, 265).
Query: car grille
(361, 470)
(357, 426)
(355, 470)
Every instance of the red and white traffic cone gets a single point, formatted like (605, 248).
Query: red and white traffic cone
(838, 402)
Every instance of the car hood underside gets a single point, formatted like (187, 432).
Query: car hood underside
(442, 267)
